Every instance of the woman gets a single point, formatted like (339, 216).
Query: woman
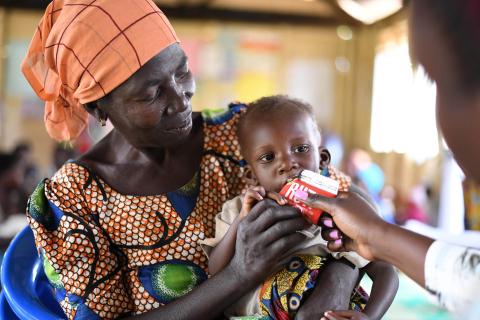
(446, 40)
(118, 228)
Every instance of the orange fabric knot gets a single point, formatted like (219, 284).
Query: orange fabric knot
(84, 49)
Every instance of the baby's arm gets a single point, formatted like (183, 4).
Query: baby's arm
(223, 252)
(384, 288)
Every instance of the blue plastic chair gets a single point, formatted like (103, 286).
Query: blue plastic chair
(26, 290)
(6, 313)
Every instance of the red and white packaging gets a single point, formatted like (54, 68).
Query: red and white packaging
(309, 182)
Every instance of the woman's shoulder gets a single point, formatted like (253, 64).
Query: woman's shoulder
(62, 190)
(222, 117)
(220, 131)
(70, 174)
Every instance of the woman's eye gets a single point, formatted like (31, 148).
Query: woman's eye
(302, 148)
(266, 157)
(183, 73)
(149, 96)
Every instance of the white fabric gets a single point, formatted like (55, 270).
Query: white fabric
(452, 275)
(468, 238)
(451, 206)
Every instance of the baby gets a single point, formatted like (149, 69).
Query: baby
(279, 137)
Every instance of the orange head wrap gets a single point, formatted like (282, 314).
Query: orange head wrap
(83, 49)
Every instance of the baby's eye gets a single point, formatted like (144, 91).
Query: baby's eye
(302, 148)
(268, 157)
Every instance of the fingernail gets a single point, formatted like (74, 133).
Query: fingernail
(328, 223)
(302, 195)
(334, 234)
(338, 242)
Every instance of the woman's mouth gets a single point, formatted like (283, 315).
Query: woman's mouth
(181, 127)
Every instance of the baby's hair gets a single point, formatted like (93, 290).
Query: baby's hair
(459, 23)
(266, 106)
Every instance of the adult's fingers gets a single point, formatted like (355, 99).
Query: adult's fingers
(326, 221)
(331, 234)
(260, 208)
(281, 247)
(274, 214)
(318, 201)
(283, 228)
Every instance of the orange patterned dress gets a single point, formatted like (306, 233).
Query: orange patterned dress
(109, 254)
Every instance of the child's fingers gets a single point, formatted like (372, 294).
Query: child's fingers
(329, 315)
(277, 197)
(260, 190)
(252, 195)
(344, 315)
(250, 198)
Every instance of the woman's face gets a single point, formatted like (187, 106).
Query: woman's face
(153, 107)
(458, 110)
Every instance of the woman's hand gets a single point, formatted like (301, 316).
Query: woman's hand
(255, 194)
(264, 238)
(345, 315)
(355, 226)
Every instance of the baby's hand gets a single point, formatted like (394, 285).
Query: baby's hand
(345, 315)
(256, 194)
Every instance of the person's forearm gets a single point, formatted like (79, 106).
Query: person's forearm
(207, 301)
(224, 250)
(384, 289)
(402, 248)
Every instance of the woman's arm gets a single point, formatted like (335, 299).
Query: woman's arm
(366, 233)
(223, 252)
(384, 289)
(263, 239)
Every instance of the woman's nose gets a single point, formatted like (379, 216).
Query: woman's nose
(177, 100)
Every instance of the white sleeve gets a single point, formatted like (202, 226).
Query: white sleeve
(452, 275)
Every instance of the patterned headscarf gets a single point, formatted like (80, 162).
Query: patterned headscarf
(83, 49)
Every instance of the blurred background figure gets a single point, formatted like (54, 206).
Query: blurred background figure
(12, 218)
(24, 154)
(365, 173)
(387, 205)
(61, 154)
(414, 206)
(334, 143)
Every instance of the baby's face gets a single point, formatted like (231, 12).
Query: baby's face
(277, 148)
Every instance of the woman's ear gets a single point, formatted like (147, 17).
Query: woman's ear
(325, 157)
(93, 109)
(250, 177)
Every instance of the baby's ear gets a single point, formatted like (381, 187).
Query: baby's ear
(324, 157)
(250, 177)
